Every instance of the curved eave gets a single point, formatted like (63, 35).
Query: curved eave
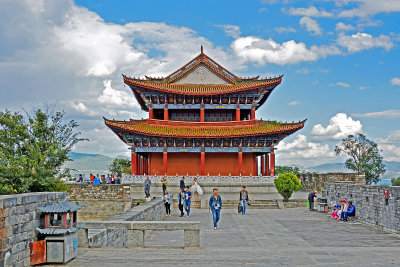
(225, 89)
(203, 129)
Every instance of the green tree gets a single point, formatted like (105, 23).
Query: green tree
(32, 150)
(120, 166)
(286, 169)
(364, 157)
(396, 181)
(286, 184)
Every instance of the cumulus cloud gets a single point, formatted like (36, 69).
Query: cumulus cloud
(261, 51)
(311, 11)
(301, 151)
(395, 81)
(341, 27)
(391, 113)
(82, 108)
(364, 41)
(390, 146)
(113, 97)
(311, 25)
(284, 29)
(368, 8)
(230, 30)
(340, 126)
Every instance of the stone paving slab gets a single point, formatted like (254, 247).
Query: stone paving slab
(289, 237)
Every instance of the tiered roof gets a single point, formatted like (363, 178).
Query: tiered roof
(202, 89)
(179, 129)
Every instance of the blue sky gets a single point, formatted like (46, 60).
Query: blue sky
(340, 61)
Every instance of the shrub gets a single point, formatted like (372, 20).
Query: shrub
(56, 185)
(286, 184)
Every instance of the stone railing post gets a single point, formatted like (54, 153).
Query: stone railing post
(83, 238)
(191, 238)
(135, 238)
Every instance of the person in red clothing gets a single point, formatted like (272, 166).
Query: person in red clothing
(113, 179)
(91, 178)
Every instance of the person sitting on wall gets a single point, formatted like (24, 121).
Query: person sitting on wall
(351, 211)
(334, 214)
(343, 208)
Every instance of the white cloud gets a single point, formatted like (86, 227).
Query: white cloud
(364, 41)
(390, 146)
(370, 7)
(363, 87)
(82, 108)
(340, 126)
(301, 151)
(284, 29)
(114, 97)
(342, 84)
(262, 9)
(293, 103)
(391, 113)
(311, 25)
(395, 81)
(311, 11)
(230, 30)
(340, 26)
(261, 51)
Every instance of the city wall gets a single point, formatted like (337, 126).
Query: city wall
(101, 201)
(316, 181)
(18, 222)
(371, 206)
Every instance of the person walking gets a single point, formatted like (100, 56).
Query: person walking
(215, 204)
(164, 183)
(243, 199)
(188, 200)
(182, 184)
(147, 184)
(167, 202)
(181, 201)
(311, 197)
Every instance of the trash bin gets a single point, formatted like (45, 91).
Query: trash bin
(322, 203)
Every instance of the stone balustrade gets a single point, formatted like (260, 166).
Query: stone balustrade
(131, 179)
(135, 231)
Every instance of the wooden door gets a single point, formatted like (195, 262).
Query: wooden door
(38, 252)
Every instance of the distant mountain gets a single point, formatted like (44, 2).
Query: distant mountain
(75, 155)
(85, 164)
(329, 168)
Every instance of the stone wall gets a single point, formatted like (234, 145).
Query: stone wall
(18, 222)
(371, 206)
(316, 181)
(153, 210)
(101, 201)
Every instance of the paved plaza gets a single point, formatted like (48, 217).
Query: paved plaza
(269, 237)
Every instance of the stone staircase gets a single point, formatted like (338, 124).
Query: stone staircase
(232, 204)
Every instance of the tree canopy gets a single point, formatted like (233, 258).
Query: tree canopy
(120, 166)
(396, 181)
(287, 169)
(32, 150)
(364, 157)
(286, 184)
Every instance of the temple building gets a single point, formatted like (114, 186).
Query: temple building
(202, 121)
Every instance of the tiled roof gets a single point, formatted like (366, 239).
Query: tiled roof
(58, 231)
(60, 207)
(202, 89)
(203, 129)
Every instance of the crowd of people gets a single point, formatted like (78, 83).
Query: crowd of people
(110, 179)
(187, 193)
(340, 212)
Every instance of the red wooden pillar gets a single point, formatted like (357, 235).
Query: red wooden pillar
(133, 163)
(267, 165)
(253, 112)
(144, 165)
(238, 112)
(240, 162)
(272, 162)
(255, 165)
(165, 161)
(151, 112)
(149, 163)
(202, 113)
(138, 164)
(202, 162)
(263, 165)
(166, 112)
